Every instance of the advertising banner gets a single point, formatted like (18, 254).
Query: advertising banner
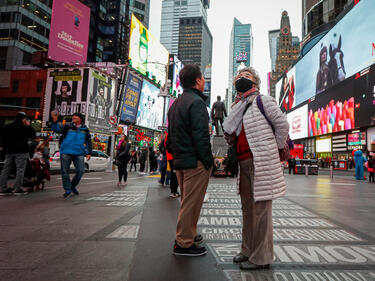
(102, 90)
(146, 53)
(150, 109)
(323, 145)
(131, 98)
(286, 89)
(66, 92)
(345, 50)
(298, 123)
(176, 85)
(68, 39)
(346, 106)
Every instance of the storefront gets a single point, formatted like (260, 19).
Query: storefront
(142, 137)
(323, 147)
(100, 142)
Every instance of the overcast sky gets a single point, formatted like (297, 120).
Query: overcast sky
(263, 15)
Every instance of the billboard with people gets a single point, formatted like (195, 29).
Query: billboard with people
(131, 98)
(345, 50)
(69, 34)
(146, 53)
(66, 92)
(150, 109)
(101, 102)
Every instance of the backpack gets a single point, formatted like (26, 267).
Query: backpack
(285, 152)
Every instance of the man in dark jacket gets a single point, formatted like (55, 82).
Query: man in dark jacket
(292, 165)
(76, 144)
(189, 143)
(218, 112)
(14, 139)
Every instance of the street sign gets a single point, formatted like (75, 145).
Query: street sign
(113, 120)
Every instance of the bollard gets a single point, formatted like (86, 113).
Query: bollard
(306, 170)
(331, 171)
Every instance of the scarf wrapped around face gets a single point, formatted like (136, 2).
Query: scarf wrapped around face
(233, 123)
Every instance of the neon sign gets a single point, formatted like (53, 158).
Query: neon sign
(140, 136)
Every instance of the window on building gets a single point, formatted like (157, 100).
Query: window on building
(33, 102)
(39, 86)
(15, 86)
(12, 101)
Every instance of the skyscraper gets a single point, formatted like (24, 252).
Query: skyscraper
(240, 54)
(287, 47)
(172, 12)
(195, 45)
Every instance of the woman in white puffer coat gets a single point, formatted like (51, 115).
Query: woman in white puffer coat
(261, 178)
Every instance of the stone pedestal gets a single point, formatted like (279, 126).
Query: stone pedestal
(219, 145)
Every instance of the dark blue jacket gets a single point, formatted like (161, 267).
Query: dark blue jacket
(75, 141)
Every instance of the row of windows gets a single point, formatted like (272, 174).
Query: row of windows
(190, 21)
(15, 34)
(16, 84)
(36, 10)
(30, 102)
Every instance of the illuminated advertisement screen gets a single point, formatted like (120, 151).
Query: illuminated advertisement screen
(176, 85)
(150, 109)
(131, 98)
(357, 138)
(286, 90)
(323, 145)
(101, 101)
(69, 34)
(297, 119)
(346, 106)
(241, 57)
(66, 92)
(345, 50)
(146, 53)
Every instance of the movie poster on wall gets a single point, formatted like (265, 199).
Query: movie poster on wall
(345, 50)
(150, 109)
(101, 102)
(131, 98)
(66, 92)
(297, 120)
(70, 25)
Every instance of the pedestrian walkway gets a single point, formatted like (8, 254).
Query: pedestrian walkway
(323, 230)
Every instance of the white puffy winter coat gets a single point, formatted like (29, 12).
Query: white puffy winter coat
(269, 180)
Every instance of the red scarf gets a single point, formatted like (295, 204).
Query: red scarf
(243, 96)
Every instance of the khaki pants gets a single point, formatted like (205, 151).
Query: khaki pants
(257, 232)
(193, 184)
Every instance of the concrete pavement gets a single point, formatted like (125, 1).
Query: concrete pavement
(324, 229)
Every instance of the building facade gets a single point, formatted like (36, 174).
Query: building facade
(318, 17)
(195, 46)
(288, 49)
(171, 13)
(240, 54)
(24, 29)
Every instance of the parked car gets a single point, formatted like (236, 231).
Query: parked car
(99, 161)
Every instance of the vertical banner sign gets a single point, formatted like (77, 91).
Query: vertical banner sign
(66, 92)
(101, 102)
(69, 32)
(131, 98)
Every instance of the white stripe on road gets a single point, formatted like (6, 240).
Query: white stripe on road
(336, 183)
(125, 231)
(98, 182)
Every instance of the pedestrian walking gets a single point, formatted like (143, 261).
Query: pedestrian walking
(152, 159)
(292, 165)
(173, 178)
(189, 142)
(163, 160)
(258, 142)
(75, 145)
(371, 167)
(142, 160)
(133, 161)
(14, 140)
(122, 160)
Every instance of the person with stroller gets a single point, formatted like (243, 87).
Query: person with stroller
(14, 140)
(75, 145)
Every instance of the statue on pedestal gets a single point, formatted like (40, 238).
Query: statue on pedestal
(218, 112)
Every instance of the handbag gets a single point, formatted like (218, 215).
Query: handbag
(284, 153)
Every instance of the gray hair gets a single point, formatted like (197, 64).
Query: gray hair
(253, 72)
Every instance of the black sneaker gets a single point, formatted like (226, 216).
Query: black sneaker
(198, 239)
(20, 192)
(67, 194)
(7, 191)
(193, 251)
(75, 191)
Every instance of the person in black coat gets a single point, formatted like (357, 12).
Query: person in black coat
(291, 165)
(14, 140)
(122, 159)
(189, 143)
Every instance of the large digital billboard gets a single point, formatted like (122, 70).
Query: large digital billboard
(66, 92)
(131, 98)
(69, 32)
(297, 120)
(102, 101)
(286, 90)
(345, 50)
(150, 109)
(176, 85)
(146, 53)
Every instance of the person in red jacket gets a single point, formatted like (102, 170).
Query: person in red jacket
(173, 182)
